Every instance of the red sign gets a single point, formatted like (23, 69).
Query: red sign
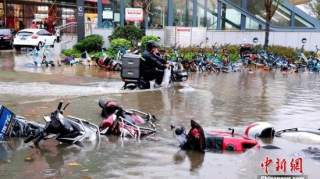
(281, 165)
(134, 14)
(183, 29)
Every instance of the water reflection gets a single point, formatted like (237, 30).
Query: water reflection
(195, 159)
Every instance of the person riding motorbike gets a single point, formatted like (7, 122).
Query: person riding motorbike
(152, 65)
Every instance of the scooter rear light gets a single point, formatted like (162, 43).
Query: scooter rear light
(34, 37)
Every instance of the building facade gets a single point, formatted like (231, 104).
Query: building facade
(211, 14)
(19, 14)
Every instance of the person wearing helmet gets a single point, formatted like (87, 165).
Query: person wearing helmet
(108, 107)
(152, 65)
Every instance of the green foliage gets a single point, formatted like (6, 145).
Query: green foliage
(188, 56)
(90, 44)
(118, 44)
(148, 38)
(129, 32)
(71, 52)
(283, 51)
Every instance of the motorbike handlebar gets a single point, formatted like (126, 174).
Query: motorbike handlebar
(60, 106)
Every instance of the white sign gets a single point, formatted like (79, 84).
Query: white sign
(116, 17)
(134, 14)
(183, 36)
(107, 14)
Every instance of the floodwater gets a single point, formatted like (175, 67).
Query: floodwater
(215, 101)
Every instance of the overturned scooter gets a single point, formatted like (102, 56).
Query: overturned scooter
(69, 130)
(12, 125)
(300, 135)
(125, 123)
(216, 141)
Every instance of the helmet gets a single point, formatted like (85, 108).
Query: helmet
(152, 44)
(108, 107)
(179, 131)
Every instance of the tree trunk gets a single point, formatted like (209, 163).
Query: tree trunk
(267, 32)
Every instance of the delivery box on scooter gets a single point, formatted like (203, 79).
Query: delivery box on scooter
(130, 66)
(7, 119)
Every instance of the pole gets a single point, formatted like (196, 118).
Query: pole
(170, 13)
(80, 20)
(100, 11)
(122, 12)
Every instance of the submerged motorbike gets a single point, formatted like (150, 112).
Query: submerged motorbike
(216, 141)
(125, 123)
(107, 63)
(16, 126)
(69, 130)
(301, 135)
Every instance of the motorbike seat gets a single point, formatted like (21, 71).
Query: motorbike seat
(70, 126)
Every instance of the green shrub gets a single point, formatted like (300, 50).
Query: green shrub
(283, 51)
(188, 56)
(118, 44)
(148, 38)
(129, 32)
(71, 52)
(91, 43)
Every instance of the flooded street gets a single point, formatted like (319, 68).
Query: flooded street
(215, 101)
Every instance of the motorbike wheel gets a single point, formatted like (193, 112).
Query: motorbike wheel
(117, 67)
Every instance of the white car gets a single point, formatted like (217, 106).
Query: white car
(33, 38)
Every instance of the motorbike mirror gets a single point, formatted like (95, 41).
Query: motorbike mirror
(232, 131)
(60, 105)
(65, 107)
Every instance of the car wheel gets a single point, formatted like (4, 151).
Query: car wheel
(18, 48)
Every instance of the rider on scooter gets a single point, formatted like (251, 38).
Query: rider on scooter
(152, 65)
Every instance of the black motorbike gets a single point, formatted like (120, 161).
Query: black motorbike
(131, 75)
(68, 130)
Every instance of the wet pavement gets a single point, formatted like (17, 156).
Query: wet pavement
(216, 101)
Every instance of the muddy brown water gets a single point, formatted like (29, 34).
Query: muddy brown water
(216, 101)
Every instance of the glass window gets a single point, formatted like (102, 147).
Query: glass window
(212, 14)
(252, 24)
(183, 13)
(212, 6)
(236, 2)
(201, 21)
(157, 14)
(231, 18)
(280, 19)
(299, 22)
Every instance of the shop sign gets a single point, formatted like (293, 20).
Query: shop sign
(107, 14)
(134, 14)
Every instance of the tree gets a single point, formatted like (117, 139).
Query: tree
(315, 7)
(271, 7)
(146, 6)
